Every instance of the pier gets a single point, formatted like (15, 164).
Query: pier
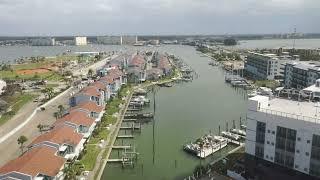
(125, 136)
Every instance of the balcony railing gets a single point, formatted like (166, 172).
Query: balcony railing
(289, 115)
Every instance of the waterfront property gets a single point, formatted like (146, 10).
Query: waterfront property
(80, 41)
(264, 66)
(80, 121)
(39, 162)
(284, 132)
(89, 93)
(67, 141)
(302, 74)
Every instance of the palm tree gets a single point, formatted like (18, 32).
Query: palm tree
(69, 172)
(21, 140)
(61, 110)
(56, 115)
(90, 72)
(48, 92)
(40, 127)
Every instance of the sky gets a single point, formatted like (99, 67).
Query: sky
(157, 17)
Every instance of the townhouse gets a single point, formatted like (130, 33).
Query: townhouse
(67, 141)
(47, 154)
(42, 162)
(89, 93)
(80, 121)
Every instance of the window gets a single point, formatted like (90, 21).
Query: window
(268, 130)
(268, 142)
(298, 139)
(271, 158)
(267, 156)
(308, 141)
(305, 169)
(273, 132)
(297, 151)
(307, 153)
(296, 166)
(272, 143)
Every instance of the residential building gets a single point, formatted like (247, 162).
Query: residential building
(89, 93)
(92, 109)
(129, 40)
(265, 66)
(78, 120)
(80, 41)
(285, 133)
(109, 40)
(43, 42)
(67, 141)
(38, 163)
(300, 74)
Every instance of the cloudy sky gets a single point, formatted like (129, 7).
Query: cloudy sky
(98, 17)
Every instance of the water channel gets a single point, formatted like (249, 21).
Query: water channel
(183, 113)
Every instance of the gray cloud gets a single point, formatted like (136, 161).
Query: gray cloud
(61, 17)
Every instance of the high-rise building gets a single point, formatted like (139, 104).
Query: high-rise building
(264, 66)
(110, 40)
(300, 75)
(285, 133)
(43, 42)
(80, 41)
(129, 40)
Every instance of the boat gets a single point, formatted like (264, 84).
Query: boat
(206, 145)
(140, 92)
(138, 115)
(165, 84)
(230, 135)
(242, 126)
(239, 132)
(252, 93)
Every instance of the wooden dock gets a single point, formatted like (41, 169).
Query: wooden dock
(129, 120)
(130, 127)
(125, 136)
(121, 147)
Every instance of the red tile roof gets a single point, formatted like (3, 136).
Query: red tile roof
(37, 160)
(91, 90)
(99, 85)
(76, 117)
(60, 135)
(90, 106)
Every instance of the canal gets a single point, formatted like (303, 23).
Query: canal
(184, 112)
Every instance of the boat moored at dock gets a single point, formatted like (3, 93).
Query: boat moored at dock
(206, 145)
(230, 135)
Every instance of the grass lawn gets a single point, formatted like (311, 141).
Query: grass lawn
(52, 76)
(267, 83)
(15, 102)
(89, 159)
(103, 134)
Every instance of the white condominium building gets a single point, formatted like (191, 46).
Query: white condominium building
(301, 74)
(284, 132)
(80, 41)
(264, 66)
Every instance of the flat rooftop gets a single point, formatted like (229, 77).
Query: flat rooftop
(308, 111)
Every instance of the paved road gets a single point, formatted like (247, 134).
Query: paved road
(9, 148)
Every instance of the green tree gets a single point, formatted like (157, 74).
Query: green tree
(90, 72)
(56, 115)
(40, 127)
(61, 110)
(21, 140)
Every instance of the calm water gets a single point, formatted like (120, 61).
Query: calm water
(8, 54)
(277, 43)
(183, 113)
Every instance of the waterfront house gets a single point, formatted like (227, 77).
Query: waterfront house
(91, 108)
(165, 65)
(89, 93)
(102, 88)
(67, 141)
(41, 162)
(80, 121)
